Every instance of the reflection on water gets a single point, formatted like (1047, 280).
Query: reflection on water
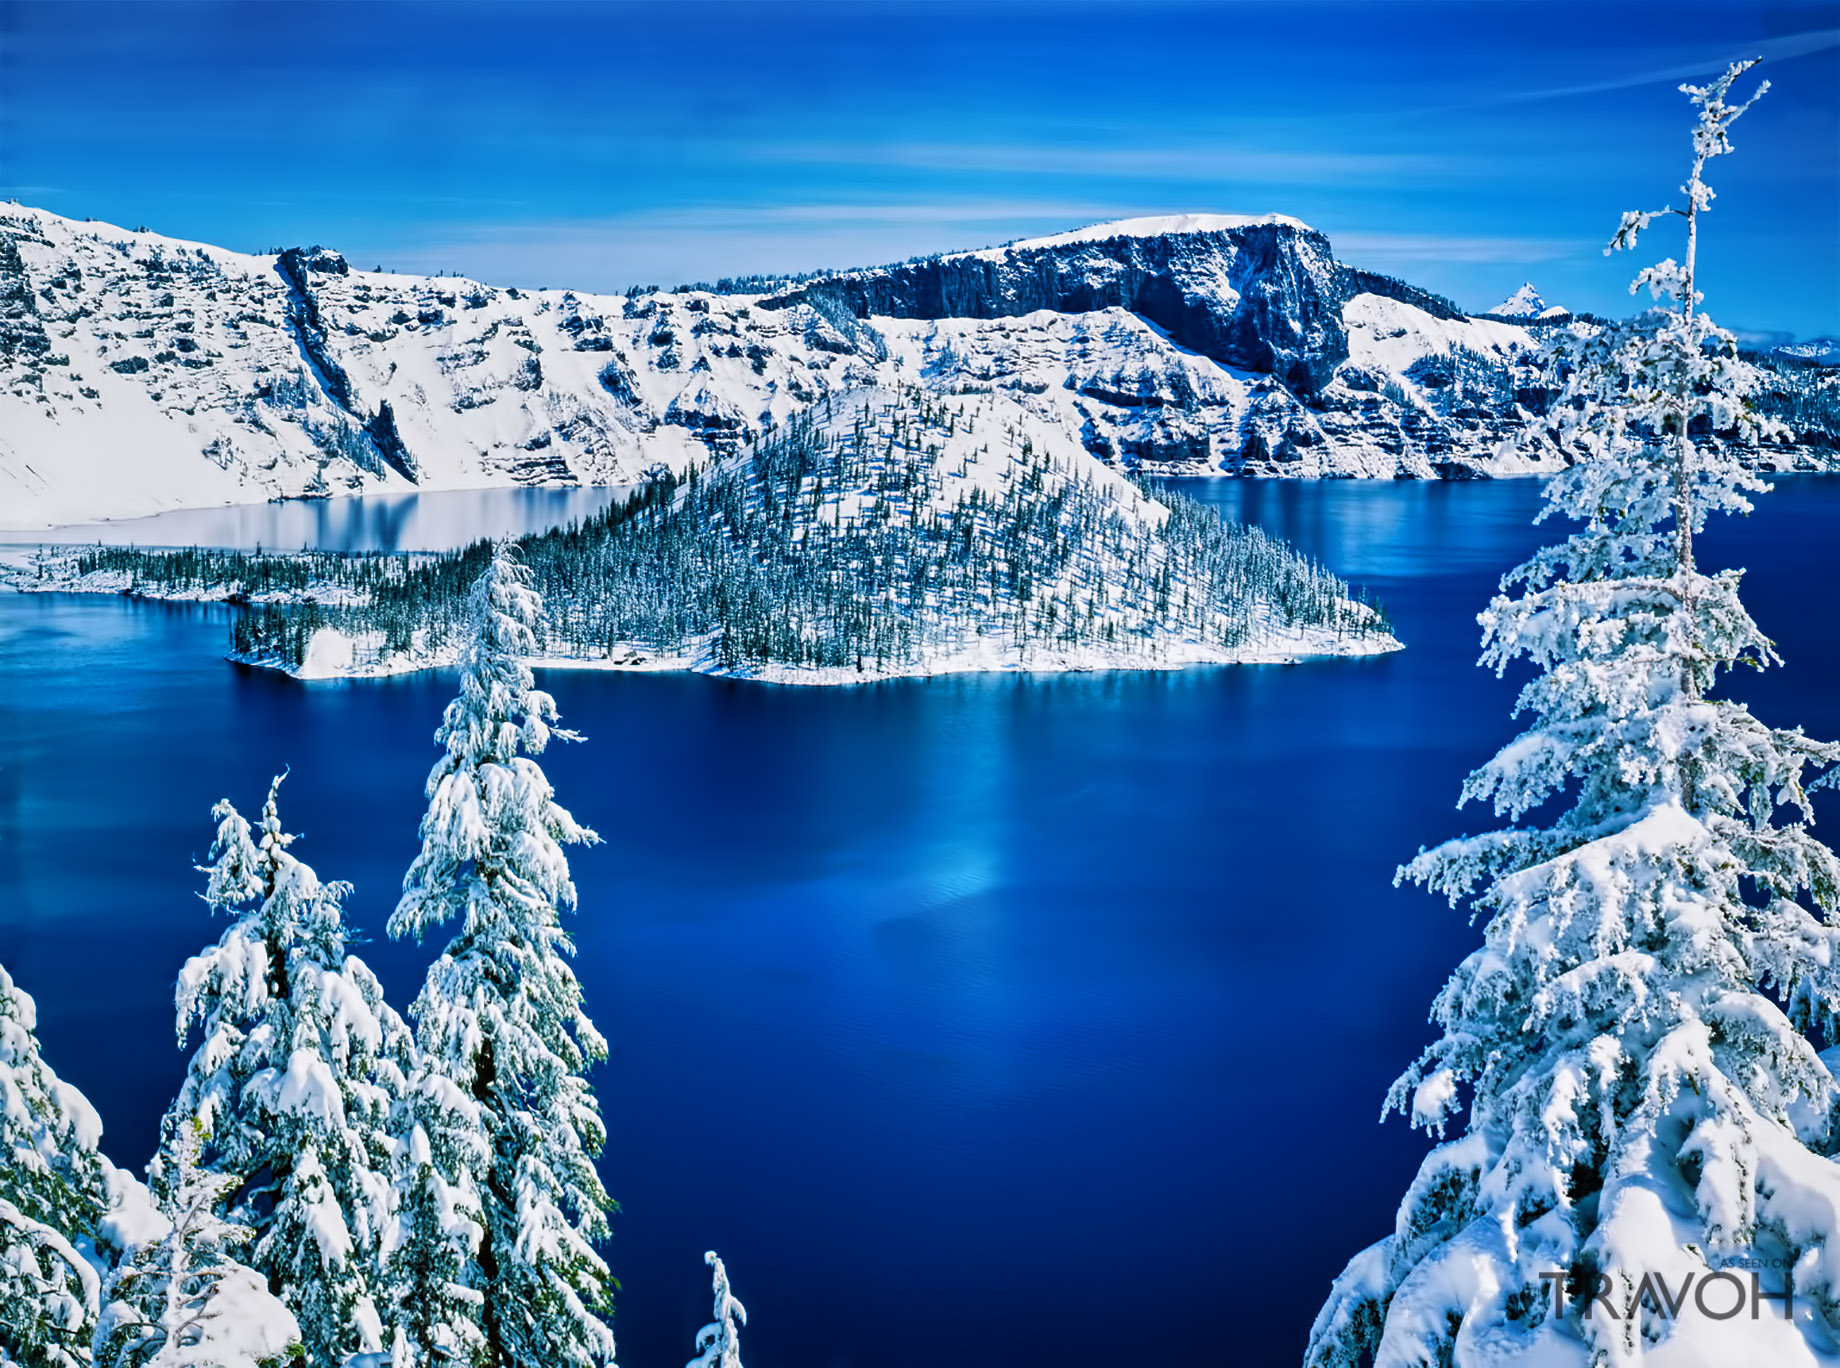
(1370, 529)
(1361, 529)
(368, 522)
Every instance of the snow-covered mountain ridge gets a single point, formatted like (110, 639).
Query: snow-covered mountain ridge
(1818, 351)
(140, 373)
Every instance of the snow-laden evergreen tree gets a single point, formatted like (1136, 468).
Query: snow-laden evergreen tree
(1650, 1126)
(718, 1344)
(53, 1190)
(184, 1300)
(295, 1081)
(501, 1014)
(432, 1289)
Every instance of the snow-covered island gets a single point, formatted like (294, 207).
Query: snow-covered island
(140, 373)
(887, 533)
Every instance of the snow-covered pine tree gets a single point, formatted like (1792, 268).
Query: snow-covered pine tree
(53, 1190)
(184, 1300)
(323, 1242)
(1638, 1032)
(432, 1299)
(500, 1014)
(718, 1344)
(295, 1081)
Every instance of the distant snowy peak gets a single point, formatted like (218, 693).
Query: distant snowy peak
(1818, 351)
(1525, 303)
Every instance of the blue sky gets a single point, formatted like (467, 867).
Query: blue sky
(1464, 146)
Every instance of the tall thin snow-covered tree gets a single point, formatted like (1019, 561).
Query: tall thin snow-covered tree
(718, 1344)
(1648, 1154)
(501, 1011)
(53, 1190)
(295, 1082)
(184, 1300)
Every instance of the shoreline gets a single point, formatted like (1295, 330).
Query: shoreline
(1042, 662)
(329, 654)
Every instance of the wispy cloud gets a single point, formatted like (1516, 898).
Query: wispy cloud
(791, 217)
(703, 242)
(1154, 162)
(1798, 44)
(1363, 248)
(1781, 49)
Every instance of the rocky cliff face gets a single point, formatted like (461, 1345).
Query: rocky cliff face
(139, 373)
(1261, 295)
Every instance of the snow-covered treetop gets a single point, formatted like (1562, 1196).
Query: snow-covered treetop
(239, 872)
(281, 907)
(500, 711)
(299, 1056)
(719, 1343)
(1648, 381)
(484, 789)
(1711, 138)
(49, 1113)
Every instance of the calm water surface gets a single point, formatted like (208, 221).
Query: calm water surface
(982, 1021)
(370, 522)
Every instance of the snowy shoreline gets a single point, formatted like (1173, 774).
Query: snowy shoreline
(331, 652)
(323, 661)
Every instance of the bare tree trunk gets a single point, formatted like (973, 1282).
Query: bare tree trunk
(1683, 446)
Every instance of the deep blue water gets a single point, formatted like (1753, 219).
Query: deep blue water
(976, 1021)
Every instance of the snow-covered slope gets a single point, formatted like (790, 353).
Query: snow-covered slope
(140, 373)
